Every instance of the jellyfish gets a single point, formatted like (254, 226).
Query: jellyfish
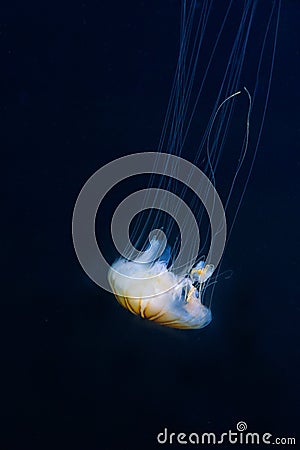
(155, 293)
(147, 284)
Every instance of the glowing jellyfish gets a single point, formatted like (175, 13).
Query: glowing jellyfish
(146, 285)
(153, 292)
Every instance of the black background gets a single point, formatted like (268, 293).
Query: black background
(82, 83)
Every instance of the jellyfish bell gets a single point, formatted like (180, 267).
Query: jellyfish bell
(148, 288)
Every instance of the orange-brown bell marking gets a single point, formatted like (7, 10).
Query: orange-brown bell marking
(153, 292)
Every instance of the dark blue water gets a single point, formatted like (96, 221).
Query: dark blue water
(83, 83)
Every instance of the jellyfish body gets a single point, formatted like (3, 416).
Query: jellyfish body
(152, 291)
(146, 285)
